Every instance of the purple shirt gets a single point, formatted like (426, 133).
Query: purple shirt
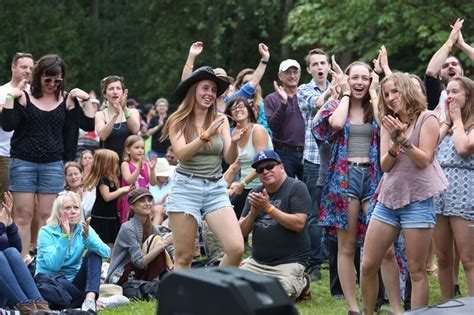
(285, 121)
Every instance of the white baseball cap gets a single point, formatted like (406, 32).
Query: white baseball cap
(288, 63)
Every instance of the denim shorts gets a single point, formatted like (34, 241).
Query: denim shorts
(197, 196)
(31, 177)
(416, 215)
(359, 183)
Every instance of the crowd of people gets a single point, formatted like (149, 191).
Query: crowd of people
(367, 174)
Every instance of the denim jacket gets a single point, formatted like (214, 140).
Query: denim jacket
(57, 254)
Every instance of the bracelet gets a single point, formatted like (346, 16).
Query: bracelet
(65, 235)
(453, 127)
(269, 209)
(392, 154)
(372, 99)
(204, 136)
(265, 62)
(121, 190)
(189, 65)
(10, 97)
(243, 182)
(86, 99)
(348, 95)
(449, 126)
(128, 114)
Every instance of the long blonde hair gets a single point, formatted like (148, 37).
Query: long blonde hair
(55, 218)
(182, 121)
(411, 102)
(106, 163)
(467, 113)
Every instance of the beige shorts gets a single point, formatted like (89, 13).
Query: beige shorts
(291, 276)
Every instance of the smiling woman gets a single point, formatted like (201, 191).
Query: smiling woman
(200, 139)
(46, 121)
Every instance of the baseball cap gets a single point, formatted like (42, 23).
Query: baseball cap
(288, 63)
(138, 193)
(265, 155)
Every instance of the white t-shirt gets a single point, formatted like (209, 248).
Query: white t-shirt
(5, 136)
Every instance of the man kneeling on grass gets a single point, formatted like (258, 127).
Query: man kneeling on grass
(276, 214)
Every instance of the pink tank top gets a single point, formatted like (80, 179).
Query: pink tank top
(406, 183)
(142, 181)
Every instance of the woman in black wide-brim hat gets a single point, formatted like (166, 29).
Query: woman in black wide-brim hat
(201, 138)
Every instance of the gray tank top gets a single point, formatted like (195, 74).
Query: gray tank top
(360, 137)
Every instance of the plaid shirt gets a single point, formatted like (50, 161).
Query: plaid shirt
(307, 96)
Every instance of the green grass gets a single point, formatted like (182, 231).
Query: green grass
(321, 303)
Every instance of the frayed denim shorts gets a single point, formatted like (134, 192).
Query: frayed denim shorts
(31, 177)
(196, 196)
(416, 215)
(359, 183)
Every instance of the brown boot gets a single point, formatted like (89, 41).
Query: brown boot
(42, 306)
(27, 309)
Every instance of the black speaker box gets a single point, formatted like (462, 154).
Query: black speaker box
(459, 306)
(230, 291)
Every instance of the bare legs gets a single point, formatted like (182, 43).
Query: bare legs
(25, 214)
(222, 223)
(346, 241)
(378, 241)
(449, 231)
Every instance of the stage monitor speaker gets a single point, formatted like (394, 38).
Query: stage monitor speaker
(459, 306)
(229, 290)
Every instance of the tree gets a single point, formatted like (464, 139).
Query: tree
(411, 30)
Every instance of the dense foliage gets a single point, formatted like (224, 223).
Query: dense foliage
(147, 41)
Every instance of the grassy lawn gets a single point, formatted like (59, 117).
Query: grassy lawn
(322, 302)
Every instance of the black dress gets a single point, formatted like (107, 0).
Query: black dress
(105, 220)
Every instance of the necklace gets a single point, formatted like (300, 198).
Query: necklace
(113, 127)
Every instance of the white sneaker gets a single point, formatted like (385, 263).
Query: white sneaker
(88, 304)
(112, 301)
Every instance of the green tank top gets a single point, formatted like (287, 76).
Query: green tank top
(205, 162)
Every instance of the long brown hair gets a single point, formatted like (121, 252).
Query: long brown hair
(182, 120)
(147, 226)
(366, 105)
(467, 113)
(412, 102)
(106, 163)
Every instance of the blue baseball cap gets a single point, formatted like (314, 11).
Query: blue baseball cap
(266, 155)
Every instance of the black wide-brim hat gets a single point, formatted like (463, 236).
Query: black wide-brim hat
(203, 73)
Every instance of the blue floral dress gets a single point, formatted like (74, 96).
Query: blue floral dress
(334, 201)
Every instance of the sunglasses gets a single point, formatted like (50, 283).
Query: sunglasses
(20, 55)
(268, 167)
(49, 80)
(110, 77)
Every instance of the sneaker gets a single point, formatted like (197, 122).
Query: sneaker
(88, 305)
(112, 301)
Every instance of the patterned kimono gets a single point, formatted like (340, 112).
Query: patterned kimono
(335, 201)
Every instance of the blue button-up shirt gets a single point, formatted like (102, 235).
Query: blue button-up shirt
(307, 95)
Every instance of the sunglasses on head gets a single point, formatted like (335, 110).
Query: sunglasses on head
(115, 77)
(49, 80)
(268, 167)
